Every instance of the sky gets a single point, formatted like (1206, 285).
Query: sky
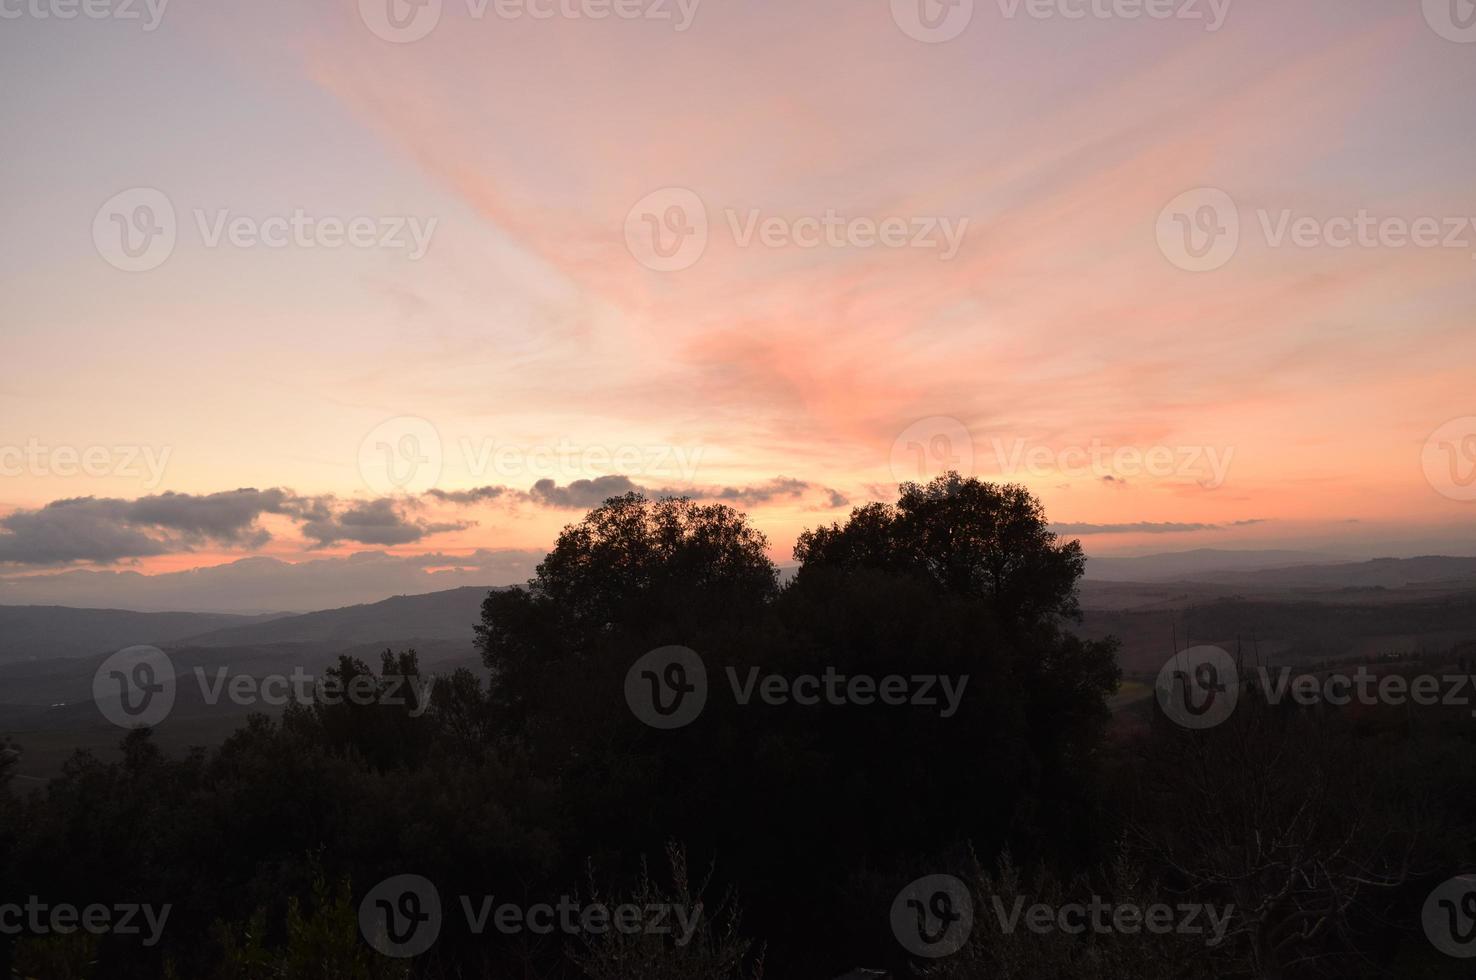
(379, 295)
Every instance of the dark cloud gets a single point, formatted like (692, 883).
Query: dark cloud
(106, 530)
(781, 487)
(229, 516)
(584, 494)
(380, 522)
(81, 529)
(109, 530)
(473, 496)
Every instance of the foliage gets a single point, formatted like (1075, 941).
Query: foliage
(967, 538)
(322, 943)
(516, 782)
(1002, 947)
(714, 950)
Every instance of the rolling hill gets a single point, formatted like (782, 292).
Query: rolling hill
(397, 621)
(49, 632)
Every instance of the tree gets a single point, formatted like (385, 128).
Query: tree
(632, 575)
(9, 760)
(966, 537)
(1319, 827)
(713, 951)
(382, 718)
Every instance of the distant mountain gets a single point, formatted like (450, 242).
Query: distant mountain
(400, 621)
(1381, 573)
(262, 584)
(48, 704)
(50, 632)
(1197, 564)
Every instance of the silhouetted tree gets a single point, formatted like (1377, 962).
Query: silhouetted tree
(632, 575)
(9, 760)
(967, 537)
(381, 717)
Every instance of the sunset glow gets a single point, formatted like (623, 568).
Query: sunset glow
(917, 256)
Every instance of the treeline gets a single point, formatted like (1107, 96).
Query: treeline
(791, 822)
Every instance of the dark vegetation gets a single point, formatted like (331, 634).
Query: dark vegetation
(795, 826)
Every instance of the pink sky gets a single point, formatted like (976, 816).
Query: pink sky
(1063, 321)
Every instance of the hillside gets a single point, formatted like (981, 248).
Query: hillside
(1381, 573)
(397, 621)
(50, 632)
(1196, 564)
